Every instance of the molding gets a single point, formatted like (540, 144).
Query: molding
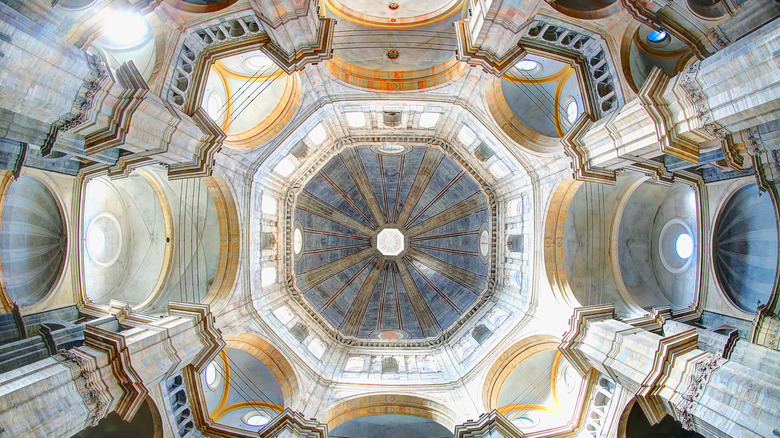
(289, 256)
(669, 348)
(702, 371)
(86, 375)
(578, 326)
(488, 424)
(476, 56)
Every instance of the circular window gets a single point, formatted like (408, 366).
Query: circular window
(297, 241)
(126, 29)
(484, 243)
(657, 36)
(675, 246)
(256, 419)
(211, 375)
(104, 239)
(572, 111)
(684, 245)
(527, 65)
(257, 62)
(523, 422)
(214, 105)
(391, 148)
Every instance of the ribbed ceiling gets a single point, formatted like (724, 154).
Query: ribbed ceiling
(442, 270)
(32, 241)
(746, 248)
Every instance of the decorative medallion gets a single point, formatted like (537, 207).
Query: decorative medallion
(393, 5)
(392, 54)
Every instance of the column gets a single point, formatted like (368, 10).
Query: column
(735, 89)
(111, 372)
(670, 375)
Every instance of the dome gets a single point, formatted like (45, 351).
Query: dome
(390, 242)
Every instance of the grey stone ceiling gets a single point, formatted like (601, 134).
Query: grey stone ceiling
(439, 275)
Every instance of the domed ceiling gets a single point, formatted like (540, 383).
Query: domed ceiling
(391, 242)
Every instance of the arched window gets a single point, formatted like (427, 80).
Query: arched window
(466, 135)
(497, 316)
(389, 365)
(355, 364)
(299, 331)
(316, 347)
(464, 349)
(268, 205)
(427, 365)
(267, 276)
(283, 314)
(481, 333)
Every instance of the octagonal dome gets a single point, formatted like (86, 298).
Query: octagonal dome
(391, 242)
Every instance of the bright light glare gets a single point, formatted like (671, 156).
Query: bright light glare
(268, 205)
(499, 169)
(684, 245)
(257, 62)
(257, 420)
(429, 120)
(214, 105)
(572, 110)
(657, 36)
(286, 166)
(267, 276)
(211, 374)
(283, 314)
(526, 65)
(96, 241)
(466, 135)
(126, 28)
(356, 119)
(317, 348)
(318, 134)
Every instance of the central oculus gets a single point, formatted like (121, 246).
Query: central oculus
(390, 242)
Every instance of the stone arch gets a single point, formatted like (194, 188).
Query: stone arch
(272, 358)
(555, 224)
(506, 363)
(229, 240)
(37, 223)
(395, 404)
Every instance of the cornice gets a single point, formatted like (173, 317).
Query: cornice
(289, 205)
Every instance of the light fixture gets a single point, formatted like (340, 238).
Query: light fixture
(356, 119)
(318, 134)
(126, 29)
(429, 120)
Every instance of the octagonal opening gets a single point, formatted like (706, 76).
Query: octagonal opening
(390, 242)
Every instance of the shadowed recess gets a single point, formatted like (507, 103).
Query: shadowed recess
(438, 274)
(32, 241)
(746, 248)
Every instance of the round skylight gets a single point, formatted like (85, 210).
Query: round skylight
(526, 65)
(684, 245)
(572, 110)
(256, 419)
(657, 36)
(257, 62)
(297, 240)
(211, 374)
(126, 29)
(214, 105)
(390, 242)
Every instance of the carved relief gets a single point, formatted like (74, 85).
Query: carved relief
(695, 95)
(87, 378)
(703, 369)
